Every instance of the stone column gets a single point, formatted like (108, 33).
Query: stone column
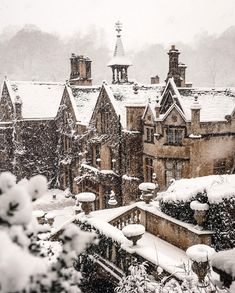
(113, 71)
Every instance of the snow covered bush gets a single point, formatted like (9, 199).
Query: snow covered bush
(24, 266)
(137, 281)
(218, 191)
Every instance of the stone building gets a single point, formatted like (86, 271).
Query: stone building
(27, 128)
(188, 133)
(113, 157)
(113, 137)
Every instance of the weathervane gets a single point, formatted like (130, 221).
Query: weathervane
(118, 25)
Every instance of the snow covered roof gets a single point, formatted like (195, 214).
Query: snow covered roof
(123, 95)
(119, 57)
(215, 105)
(39, 100)
(85, 98)
(217, 187)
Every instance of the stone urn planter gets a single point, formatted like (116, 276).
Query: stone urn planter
(86, 199)
(147, 197)
(200, 211)
(147, 190)
(39, 214)
(50, 217)
(200, 255)
(133, 232)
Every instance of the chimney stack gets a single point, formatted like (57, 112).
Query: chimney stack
(174, 66)
(195, 116)
(155, 79)
(80, 70)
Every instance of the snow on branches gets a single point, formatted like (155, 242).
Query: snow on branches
(24, 262)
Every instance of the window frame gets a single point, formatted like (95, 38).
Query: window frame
(175, 136)
(149, 134)
(149, 169)
(175, 170)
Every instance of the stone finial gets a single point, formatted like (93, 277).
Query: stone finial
(18, 100)
(195, 105)
(136, 88)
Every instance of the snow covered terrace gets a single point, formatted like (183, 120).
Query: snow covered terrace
(150, 247)
(169, 255)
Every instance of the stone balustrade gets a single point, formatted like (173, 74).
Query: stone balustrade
(178, 233)
(132, 216)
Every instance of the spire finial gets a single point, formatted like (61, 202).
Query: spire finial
(118, 26)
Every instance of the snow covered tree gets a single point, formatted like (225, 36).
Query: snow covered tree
(24, 266)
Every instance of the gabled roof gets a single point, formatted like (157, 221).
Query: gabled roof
(170, 92)
(85, 98)
(123, 95)
(173, 106)
(40, 100)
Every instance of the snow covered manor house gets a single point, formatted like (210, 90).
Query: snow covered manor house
(115, 136)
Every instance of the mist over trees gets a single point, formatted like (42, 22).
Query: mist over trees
(30, 54)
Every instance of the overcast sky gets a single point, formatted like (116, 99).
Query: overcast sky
(144, 21)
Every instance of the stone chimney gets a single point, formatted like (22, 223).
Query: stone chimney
(80, 70)
(195, 117)
(182, 71)
(174, 65)
(155, 79)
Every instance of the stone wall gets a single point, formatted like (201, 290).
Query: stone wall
(35, 149)
(175, 233)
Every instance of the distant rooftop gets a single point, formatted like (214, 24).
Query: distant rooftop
(40, 100)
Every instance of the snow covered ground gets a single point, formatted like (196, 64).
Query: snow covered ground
(48, 203)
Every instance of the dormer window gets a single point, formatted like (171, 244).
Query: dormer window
(174, 136)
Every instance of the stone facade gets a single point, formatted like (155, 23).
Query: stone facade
(28, 145)
(180, 148)
(114, 137)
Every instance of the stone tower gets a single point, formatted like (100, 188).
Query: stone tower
(119, 63)
(80, 70)
(174, 65)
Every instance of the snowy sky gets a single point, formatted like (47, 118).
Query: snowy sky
(145, 21)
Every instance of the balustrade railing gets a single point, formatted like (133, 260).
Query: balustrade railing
(132, 216)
